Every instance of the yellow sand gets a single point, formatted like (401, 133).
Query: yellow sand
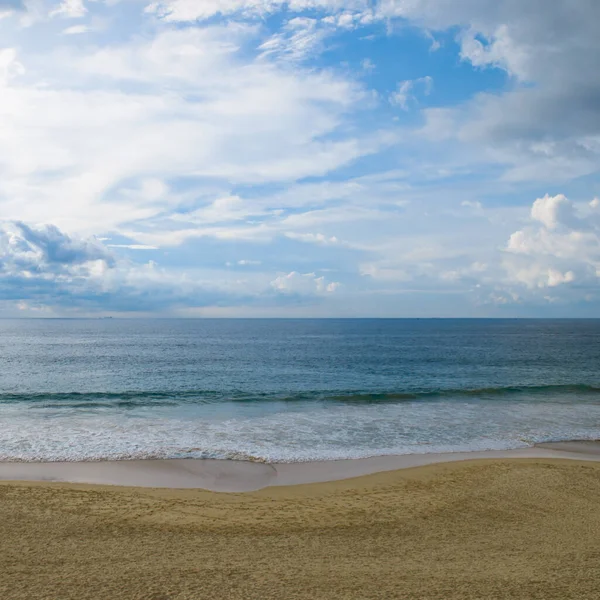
(527, 529)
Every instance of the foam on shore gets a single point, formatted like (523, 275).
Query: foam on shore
(243, 476)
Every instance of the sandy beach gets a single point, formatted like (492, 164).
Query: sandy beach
(490, 528)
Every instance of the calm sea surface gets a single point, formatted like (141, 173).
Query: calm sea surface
(290, 390)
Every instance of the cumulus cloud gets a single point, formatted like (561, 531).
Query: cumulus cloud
(44, 264)
(211, 135)
(560, 247)
(556, 211)
(43, 268)
(45, 248)
(553, 258)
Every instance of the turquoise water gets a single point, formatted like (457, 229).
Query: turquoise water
(292, 390)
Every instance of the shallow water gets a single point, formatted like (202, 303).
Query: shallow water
(289, 390)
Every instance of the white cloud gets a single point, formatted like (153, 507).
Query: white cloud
(560, 247)
(300, 38)
(244, 263)
(554, 211)
(385, 273)
(226, 209)
(474, 204)
(474, 269)
(76, 29)
(45, 248)
(405, 91)
(368, 66)
(546, 125)
(10, 67)
(202, 128)
(74, 142)
(199, 10)
(312, 238)
(70, 9)
(557, 278)
(43, 268)
(43, 264)
(132, 246)
(303, 284)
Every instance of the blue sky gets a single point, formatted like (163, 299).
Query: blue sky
(309, 158)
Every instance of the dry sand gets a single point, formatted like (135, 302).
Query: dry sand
(488, 529)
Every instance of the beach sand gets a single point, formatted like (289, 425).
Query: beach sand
(518, 528)
(247, 476)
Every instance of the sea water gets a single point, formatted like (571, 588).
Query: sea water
(292, 390)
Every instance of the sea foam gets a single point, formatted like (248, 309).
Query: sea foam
(267, 431)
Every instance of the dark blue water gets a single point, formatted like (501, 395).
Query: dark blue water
(292, 389)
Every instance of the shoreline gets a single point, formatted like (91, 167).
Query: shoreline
(245, 476)
(515, 528)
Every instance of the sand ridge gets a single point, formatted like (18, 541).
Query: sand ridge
(518, 529)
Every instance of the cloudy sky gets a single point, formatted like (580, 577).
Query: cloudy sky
(299, 158)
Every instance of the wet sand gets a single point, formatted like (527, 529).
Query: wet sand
(588, 447)
(518, 528)
(244, 476)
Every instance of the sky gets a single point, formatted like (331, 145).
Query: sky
(299, 158)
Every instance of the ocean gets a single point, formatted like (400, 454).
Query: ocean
(292, 390)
